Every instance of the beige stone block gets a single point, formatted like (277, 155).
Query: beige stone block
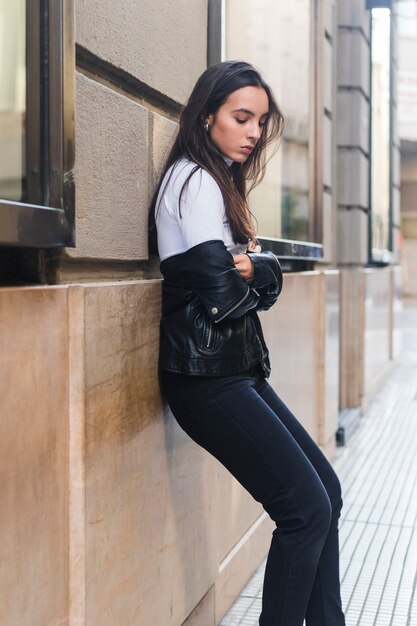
(353, 120)
(396, 166)
(293, 332)
(353, 13)
(397, 237)
(377, 330)
(352, 236)
(111, 175)
(239, 565)
(328, 8)
(396, 205)
(408, 167)
(329, 418)
(163, 44)
(34, 456)
(204, 612)
(302, 333)
(330, 448)
(409, 227)
(396, 311)
(407, 197)
(352, 320)
(329, 228)
(163, 134)
(237, 506)
(148, 487)
(76, 453)
(352, 178)
(353, 60)
(409, 264)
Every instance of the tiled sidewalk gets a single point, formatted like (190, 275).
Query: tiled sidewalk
(378, 530)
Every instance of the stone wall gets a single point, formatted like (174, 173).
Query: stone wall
(128, 97)
(125, 508)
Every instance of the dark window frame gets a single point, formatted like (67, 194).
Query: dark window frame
(46, 219)
(284, 248)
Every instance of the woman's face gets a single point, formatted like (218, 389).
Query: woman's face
(238, 124)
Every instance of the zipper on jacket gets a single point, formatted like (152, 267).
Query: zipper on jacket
(209, 337)
(233, 307)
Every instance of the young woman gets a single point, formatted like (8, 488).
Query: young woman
(213, 358)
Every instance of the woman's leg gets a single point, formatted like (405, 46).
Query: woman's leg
(324, 607)
(230, 419)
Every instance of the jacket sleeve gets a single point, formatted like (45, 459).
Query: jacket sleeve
(227, 295)
(267, 278)
(216, 281)
(208, 272)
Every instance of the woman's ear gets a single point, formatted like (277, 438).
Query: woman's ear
(206, 122)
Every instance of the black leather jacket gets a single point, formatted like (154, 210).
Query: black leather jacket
(209, 324)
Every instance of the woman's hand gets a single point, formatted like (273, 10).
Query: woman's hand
(244, 266)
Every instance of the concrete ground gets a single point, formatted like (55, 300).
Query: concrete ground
(378, 529)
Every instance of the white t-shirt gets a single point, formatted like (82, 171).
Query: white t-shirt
(203, 215)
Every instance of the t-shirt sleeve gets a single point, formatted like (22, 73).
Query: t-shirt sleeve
(202, 210)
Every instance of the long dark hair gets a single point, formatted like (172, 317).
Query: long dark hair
(193, 141)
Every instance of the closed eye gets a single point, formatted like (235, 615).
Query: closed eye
(261, 124)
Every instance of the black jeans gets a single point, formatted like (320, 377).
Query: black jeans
(244, 424)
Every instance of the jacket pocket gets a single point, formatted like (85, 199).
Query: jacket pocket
(201, 328)
(209, 336)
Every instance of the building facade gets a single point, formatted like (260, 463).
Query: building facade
(407, 123)
(112, 515)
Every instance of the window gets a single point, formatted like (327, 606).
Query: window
(36, 123)
(406, 13)
(12, 100)
(279, 38)
(381, 142)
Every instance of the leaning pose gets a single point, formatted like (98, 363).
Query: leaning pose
(214, 362)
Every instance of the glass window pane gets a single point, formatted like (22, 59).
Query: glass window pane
(380, 128)
(275, 36)
(12, 99)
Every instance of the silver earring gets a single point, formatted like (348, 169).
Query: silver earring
(206, 126)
